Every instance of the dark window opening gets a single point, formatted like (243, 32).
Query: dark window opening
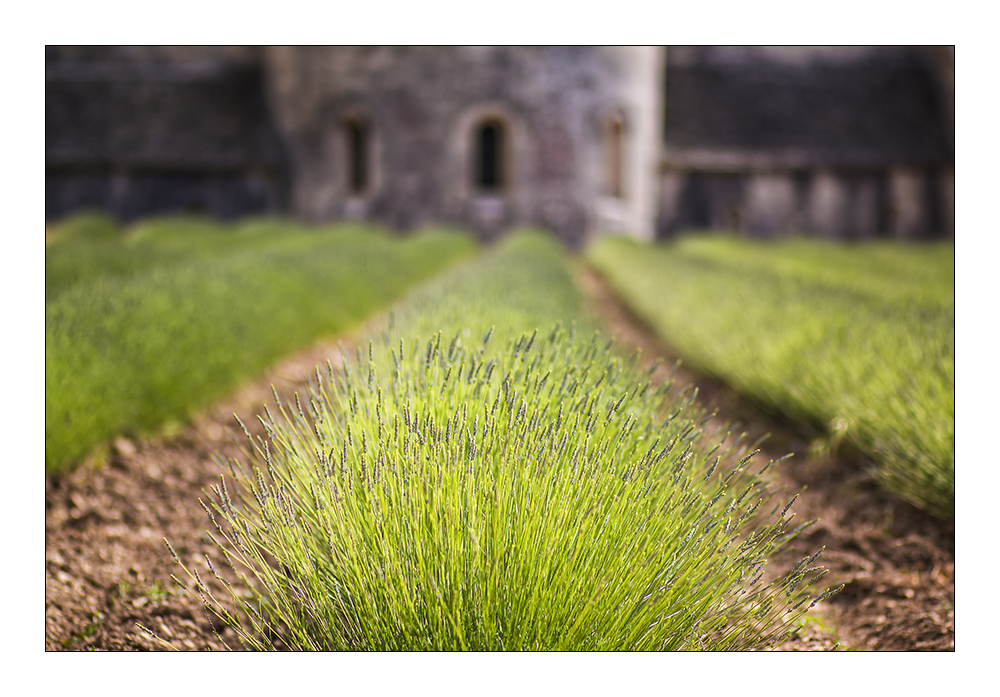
(616, 146)
(357, 156)
(489, 160)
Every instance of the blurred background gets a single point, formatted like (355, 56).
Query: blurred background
(836, 142)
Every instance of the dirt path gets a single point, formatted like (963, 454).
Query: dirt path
(107, 567)
(898, 562)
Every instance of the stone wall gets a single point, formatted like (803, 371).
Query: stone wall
(837, 142)
(143, 130)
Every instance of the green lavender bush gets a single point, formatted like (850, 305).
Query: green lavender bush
(91, 246)
(159, 321)
(857, 342)
(473, 482)
(91, 225)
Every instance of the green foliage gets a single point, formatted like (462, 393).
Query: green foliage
(85, 226)
(89, 247)
(152, 325)
(473, 483)
(858, 341)
(88, 632)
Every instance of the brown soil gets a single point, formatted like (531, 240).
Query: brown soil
(107, 567)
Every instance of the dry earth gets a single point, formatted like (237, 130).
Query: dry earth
(107, 567)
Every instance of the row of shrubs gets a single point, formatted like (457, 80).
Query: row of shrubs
(856, 341)
(489, 473)
(147, 324)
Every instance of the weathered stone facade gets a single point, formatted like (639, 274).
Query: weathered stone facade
(835, 142)
(424, 110)
(845, 143)
(138, 130)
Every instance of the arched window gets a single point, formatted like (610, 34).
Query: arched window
(489, 162)
(616, 152)
(356, 132)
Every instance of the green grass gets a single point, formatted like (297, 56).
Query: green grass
(490, 474)
(154, 323)
(854, 341)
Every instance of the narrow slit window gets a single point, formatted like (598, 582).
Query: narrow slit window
(489, 160)
(357, 156)
(616, 146)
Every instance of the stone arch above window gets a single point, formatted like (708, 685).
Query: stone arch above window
(489, 150)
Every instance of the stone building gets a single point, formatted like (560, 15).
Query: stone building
(843, 143)
(486, 138)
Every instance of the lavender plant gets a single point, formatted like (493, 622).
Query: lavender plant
(854, 341)
(147, 327)
(498, 490)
